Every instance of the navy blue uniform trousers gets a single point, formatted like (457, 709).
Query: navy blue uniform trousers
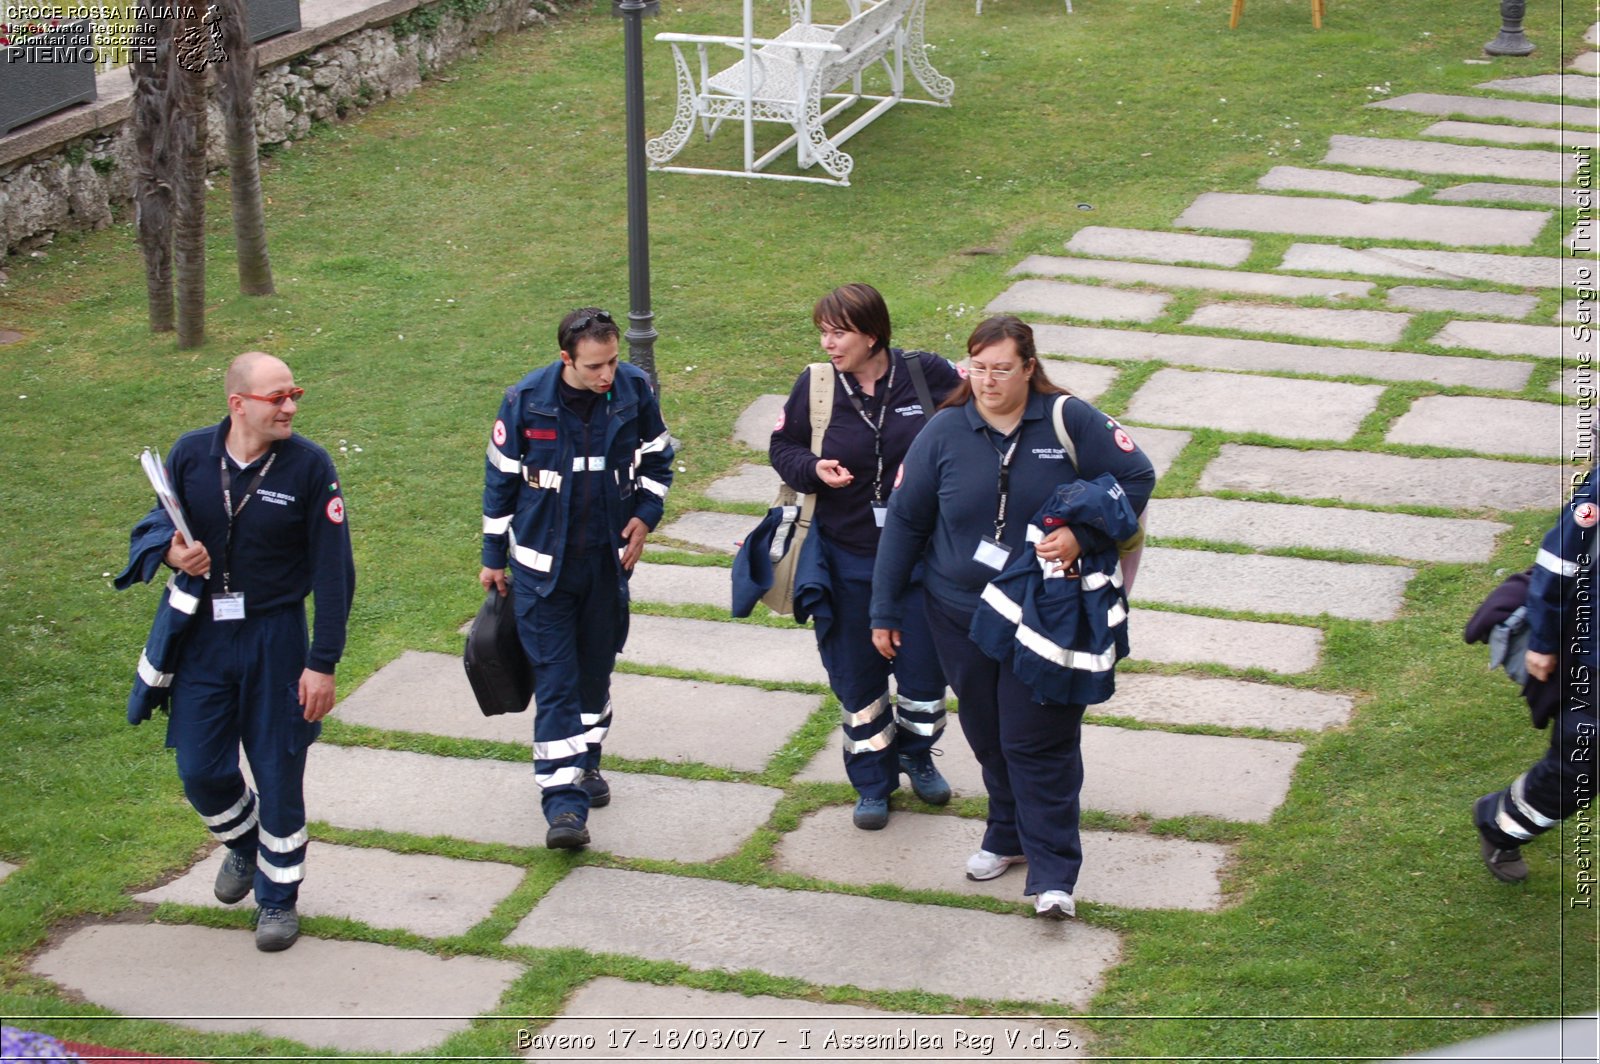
(571, 636)
(239, 682)
(1559, 784)
(1030, 753)
(859, 675)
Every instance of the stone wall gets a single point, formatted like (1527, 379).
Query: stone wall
(78, 183)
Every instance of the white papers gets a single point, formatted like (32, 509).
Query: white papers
(151, 461)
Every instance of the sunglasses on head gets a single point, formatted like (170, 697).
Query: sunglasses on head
(276, 398)
(577, 328)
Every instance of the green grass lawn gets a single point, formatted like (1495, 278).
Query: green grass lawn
(423, 255)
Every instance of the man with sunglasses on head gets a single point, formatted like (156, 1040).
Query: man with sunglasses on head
(578, 467)
(268, 521)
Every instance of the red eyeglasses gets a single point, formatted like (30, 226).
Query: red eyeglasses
(276, 398)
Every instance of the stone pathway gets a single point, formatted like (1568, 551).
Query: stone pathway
(1300, 460)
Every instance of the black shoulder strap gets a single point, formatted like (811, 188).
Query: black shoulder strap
(919, 381)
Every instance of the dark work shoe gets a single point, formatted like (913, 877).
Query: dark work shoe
(926, 780)
(566, 833)
(872, 814)
(1505, 865)
(276, 929)
(235, 878)
(596, 787)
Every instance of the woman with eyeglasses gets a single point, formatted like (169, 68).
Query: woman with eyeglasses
(881, 398)
(969, 484)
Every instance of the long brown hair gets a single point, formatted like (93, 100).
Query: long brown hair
(995, 330)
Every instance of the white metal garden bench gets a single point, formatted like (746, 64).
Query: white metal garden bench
(791, 77)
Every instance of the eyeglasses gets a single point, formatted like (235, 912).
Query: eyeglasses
(276, 398)
(986, 373)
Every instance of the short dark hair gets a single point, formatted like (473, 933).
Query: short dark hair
(585, 323)
(996, 330)
(857, 307)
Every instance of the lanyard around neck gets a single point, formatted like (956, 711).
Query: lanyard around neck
(1003, 489)
(228, 508)
(876, 427)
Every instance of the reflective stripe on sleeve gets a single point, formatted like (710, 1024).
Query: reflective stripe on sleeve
(507, 465)
(997, 601)
(496, 526)
(180, 599)
(1554, 563)
(151, 675)
(654, 487)
(658, 444)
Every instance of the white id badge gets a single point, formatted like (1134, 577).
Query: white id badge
(880, 513)
(992, 553)
(229, 607)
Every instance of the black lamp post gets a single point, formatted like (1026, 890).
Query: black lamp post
(1510, 41)
(641, 334)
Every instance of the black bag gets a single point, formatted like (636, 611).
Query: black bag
(497, 666)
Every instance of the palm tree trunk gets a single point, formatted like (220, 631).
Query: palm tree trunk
(236, 83)
(187, 93)
(152, 176)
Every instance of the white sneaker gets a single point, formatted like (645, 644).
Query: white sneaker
(1054, 905)
(985, 865)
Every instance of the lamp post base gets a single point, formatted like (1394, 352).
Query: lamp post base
(1510, 41)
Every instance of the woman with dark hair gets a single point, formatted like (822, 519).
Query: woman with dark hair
(876, 411)
(993, 451)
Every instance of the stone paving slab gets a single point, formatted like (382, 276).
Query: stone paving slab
(922, 852)
(1191, 277)
(1132, 772)
(1270, 524)
(747, 483)
(754, 427)
(1087, 380)
(1316, 216)
(1170, 638)
(1539, 195)
(1319, 323)
(1577, 310)
(1572, 86)
(1586, 63)
(1385, 479)
(784, 1028)
(709, 925)
(1493, 426)
(1267, 584)
(712, 530)
(654, 716)
(1158, 699)
(1159, 246)
(658, 817)
(681, 585)
(343, 995)
(1504, 338)
(1566, 138)
(1220, 352)
(1300, 179)
(1430, 103)
(436, 897)
(1525, 271)
(6, 868)
(1090, 302)
(746, 651)
(1432, 157)
(1161, 446)
(1294, 409)
(1462, 301)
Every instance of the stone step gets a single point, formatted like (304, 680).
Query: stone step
(659, 817)
(1385, 479)
(1233, 402)
(1315, 323)
(1572, 86)
(1190, 277)
(321, 993)
(1219, 352)
(1501, 338)
(1268, 524)
(746, 651)
(755, 425)
(1159, 246)
(436, 897)
(781, 1028)
(710, 530)
(1339, 182)
(1538, 195)
(1566, 138)
(921, 852)
(1490, 426)
(1461, 301)
(709, 925)
(1089, 302)
(747, 483)
(1523, 271)
(1569, 116)
(1133, 772)
(1270, 584)
(1316, 216)
(1431, 157)
(654, 717)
